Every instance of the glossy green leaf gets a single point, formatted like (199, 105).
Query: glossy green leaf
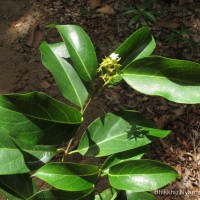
(36, 132)
(140, 44)
(81, 50)
(11, 159)
(56, 58)
(40, 106)
(36, 155)
(69, 176)
(141, 175)
(108, 194)
(19, 186)
(62, 195)
(130, 195)
(35, 118)
(115, 133)
(133, 154)
(176, 80)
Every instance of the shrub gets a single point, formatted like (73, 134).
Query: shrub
(34, 124)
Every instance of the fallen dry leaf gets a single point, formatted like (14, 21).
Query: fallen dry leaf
(28, 41)
(168, 24)
(179, 169)
(107, 9)
(195, 23)
(94, 3)
(38, 38)
(179, 111)
(163, 121)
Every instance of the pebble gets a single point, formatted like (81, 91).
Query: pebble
(45, 84)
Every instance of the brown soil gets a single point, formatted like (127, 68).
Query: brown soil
(22, 27)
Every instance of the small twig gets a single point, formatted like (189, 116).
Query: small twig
(67, 149)
(82, 111)
(86, 106)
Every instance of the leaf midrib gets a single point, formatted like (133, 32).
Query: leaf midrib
(141, 174)
(60, 63)
(48, 120)
(79, 59)
(69, 78)
(160, 77)
(69, 175)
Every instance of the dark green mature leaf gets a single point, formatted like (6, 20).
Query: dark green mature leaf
(63, 195)
(11, 159)
(69, 176)
(40, 106)
(141, 175)
(149, 16)
(54, 58)
(109, 194)
(140, 44)
(134, 20)
(130, 195)
(176, 80)
(35, 118)
(115, 133)
(19, 186)
(133, 154)
(81, 50)
(36, 132)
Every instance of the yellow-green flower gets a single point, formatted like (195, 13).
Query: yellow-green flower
(110, 68)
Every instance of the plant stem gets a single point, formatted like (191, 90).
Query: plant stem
(71, 140)
(86, 106)
(82, 111)
(68, 146)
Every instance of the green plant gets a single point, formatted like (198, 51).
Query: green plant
(143, 15)
(32, 125)
(181, 35)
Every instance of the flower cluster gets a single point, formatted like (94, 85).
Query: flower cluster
(110, 68)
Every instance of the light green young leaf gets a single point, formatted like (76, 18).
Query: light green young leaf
(69, 176)
(141, 175)
(81, 50)
(115, 133)
(16, 187)
(62, 195)
(56, 58)
(140, 44)
(175, 80)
